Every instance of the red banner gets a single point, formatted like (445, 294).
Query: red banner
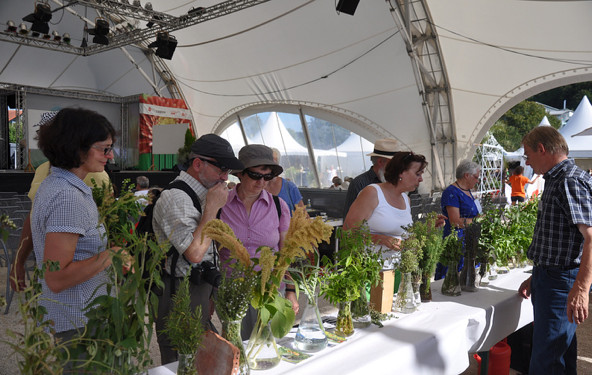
(155, 111)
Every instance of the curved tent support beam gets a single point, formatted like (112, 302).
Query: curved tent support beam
(414, 21)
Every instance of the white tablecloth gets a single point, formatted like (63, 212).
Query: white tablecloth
(436, 339)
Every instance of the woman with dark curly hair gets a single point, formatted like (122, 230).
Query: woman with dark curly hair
(64, 222)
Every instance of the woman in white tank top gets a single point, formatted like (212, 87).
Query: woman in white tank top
(385, 206)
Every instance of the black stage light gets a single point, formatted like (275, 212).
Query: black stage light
(165, 45)
(39, 18)
(66, 38)
(100, 32)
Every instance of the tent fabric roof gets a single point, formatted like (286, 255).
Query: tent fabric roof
(580, 146)
(356, 71)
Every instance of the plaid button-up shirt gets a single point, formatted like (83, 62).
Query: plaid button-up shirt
(565, 203)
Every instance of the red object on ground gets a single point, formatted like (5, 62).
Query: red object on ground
(499, 359)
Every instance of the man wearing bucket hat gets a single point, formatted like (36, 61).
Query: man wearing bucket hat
(179, 222)
(256, 216)
(384, 149)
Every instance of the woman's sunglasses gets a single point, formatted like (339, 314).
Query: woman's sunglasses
(257, 176)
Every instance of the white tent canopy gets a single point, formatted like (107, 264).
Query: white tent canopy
(580, 145)
(435, 75)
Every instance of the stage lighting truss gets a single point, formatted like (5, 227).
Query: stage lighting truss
(161, 23)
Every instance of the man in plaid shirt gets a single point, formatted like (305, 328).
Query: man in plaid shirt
(561, 250)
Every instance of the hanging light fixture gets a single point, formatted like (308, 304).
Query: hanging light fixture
(100, 31)
(22, 29)
(165, 45)
(39, 18)
(66, 38)
(11, 26)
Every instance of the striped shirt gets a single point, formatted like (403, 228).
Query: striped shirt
(175, 219)
(64, 204)
(565, 203)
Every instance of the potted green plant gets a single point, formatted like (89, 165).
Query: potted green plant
(275, 316)
(184, 330)
(120, 324)
(304, 273)
(450, 256)
(356, 266)
(424, 235)
(409, 264)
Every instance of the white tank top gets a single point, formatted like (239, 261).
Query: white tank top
(389, 220)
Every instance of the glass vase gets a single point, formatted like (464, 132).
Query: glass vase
(345, 324)
(483, 280)
(262, 349)
(451, 283)
(405, 300)
(360, 309)
(231, 332)
(311, 333)
(425, 289)
(186, 364)
(416, 284)
(468, 275)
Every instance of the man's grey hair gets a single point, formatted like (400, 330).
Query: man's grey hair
(143, 182)
(466, 166)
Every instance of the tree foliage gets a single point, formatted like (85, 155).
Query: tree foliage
(518, 121)
(571, 94)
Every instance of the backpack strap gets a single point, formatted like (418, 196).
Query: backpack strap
(278, 206)
(181, 185)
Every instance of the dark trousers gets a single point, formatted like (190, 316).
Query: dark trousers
(200, 295)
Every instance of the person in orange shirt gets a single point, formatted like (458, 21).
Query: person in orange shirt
(517, 182)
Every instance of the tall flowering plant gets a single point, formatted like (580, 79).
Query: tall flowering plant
(270, 268)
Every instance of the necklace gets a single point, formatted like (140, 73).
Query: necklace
(456, 183)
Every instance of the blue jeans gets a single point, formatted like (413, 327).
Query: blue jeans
(554, 344)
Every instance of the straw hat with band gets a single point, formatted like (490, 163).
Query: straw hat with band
(385, 148)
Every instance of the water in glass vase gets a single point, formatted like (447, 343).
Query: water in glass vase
(311, 336)
(310, 339)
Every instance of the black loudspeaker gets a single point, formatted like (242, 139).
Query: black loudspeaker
(347, 6)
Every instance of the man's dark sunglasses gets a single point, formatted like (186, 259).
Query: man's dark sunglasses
(257, 176)
(221, 167)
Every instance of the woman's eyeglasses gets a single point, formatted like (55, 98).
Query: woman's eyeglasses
(257, 176)
(106, 150)
(222, 168)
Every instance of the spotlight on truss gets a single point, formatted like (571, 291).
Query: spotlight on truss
(22, 29)
(11, 26)
(39, 18)
(100, 32)
(66, 38)
(165, 45)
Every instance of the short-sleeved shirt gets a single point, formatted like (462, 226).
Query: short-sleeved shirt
(566, 202)
(64, 204)
(454, 197)
(517, 182)
(43, 170)
(175, 218)
(357, 184)
(262, 227)
(290, 194)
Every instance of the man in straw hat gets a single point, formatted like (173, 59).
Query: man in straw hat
(384, 149)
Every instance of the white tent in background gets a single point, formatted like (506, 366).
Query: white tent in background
(356, 143)
(545, 122)
(580, 146)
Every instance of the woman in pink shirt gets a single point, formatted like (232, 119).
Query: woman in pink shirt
(254, 216)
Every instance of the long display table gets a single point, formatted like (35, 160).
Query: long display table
(436, 339)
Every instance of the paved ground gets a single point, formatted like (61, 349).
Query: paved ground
(12, 321)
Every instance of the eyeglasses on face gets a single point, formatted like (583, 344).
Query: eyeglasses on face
(257, 176)
(222, 168)
(106, 150)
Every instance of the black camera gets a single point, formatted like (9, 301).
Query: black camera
(207, 272)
